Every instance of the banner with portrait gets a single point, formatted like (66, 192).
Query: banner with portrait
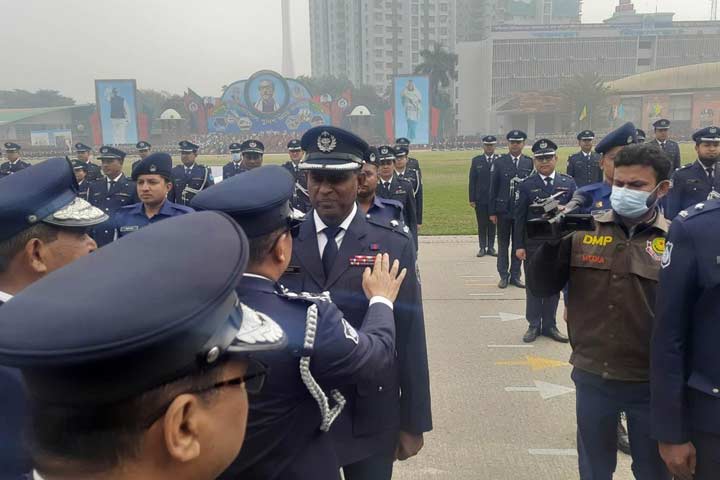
(266, 103)
(117, 111)
(51, 138)
(411, 94)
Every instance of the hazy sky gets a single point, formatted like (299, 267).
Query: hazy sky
(172, 44)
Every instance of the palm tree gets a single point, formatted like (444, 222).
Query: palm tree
(587, 96)
(440, 65)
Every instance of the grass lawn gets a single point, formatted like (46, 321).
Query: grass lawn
(445, 180)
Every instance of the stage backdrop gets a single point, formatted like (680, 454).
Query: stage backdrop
(115, 100)
(411, 95)
(264, 103)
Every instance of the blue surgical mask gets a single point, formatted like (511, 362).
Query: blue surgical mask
(630, 203)
(236, 157)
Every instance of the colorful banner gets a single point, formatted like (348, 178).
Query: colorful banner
(412, 108)
(706, 110)
(117, 110)
(266, 103)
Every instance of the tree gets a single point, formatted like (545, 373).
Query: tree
(154, 102)
(440, 65)
(334, 86)
(587, 96)
(39, 99)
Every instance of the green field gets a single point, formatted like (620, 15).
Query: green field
(445, 180)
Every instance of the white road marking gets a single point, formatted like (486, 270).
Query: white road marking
(476, 276)
(511, 346)
(486, 294)
(503, 316)
(558, 452)
(545, 389)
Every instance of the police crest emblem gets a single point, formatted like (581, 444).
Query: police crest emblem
(252, 145)
(326, 142)
(152, 168)
(543, 145)
(667, 254)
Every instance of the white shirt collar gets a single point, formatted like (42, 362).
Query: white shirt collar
(255, 275)
(4, 297)
(320, 225)
(551, 176)
(189, 167)
(116, 179)
(399, 172)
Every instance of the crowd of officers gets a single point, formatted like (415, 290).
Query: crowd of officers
(640, 288)
(169, 380)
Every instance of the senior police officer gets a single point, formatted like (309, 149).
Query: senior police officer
(641, 136)
(545, 182)
(685, 366)
(662, 129)
(190, 177)
(43, 227)
(153, 177)
(110, 193)
(80, 171)
(386, 211)
(288, 421)
(505, 176)
(412, 175)
(234, 166)
(301, 199)
(612, 275)
(252, 154)
(14, 163)
(584, 166)
(391, 186)
(479, 194)
(386, 418)
(143, 150)
(412, 162)
(141, 391)
(697, 182)
(82, 153)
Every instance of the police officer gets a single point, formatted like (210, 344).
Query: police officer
(42, 228)
(286, 439)
(110, 193)
(389, 414)
(141, 391)
(301, 200)
(395, 188)
(479, 194)
(234, 166)
(641, 136)
(14, 163)
(696, 182)
(153, 177)
(685, 366)
(583, 166)
(545, 182)
(386, 211)
(82, 152)
(190, 177)
(252, 153)
(80, 170)
(412, 175)
(143, 150)
(662, 128)
(612, 276)
(412, 162)
(505, 176)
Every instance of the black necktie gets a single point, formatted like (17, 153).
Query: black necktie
(548, 181)
(662, 145)
(111, 185)
(710, 174)
(516, 161)
(331, 249)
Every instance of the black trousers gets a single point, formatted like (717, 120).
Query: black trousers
(377, 467)
(539, 312)
(486, 229)
(707, 447)
(506, 265)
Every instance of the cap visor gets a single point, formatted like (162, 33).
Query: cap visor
(253, 150)
(78, 213)
(337, 165)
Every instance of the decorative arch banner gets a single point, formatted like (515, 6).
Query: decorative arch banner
(266, 103)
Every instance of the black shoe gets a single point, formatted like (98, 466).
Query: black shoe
(531, 335)
(555, 334)
(503, 282)
(623, 440)
(517, 283)
(491, 251)
(481, 252)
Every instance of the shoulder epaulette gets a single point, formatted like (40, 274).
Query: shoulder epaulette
(698, 209)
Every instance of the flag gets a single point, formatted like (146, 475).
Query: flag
(621, 111)
(196, 106)
(584, 113)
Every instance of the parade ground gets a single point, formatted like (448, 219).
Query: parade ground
(502, 410)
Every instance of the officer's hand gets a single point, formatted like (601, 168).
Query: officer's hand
(493, 219)
(408, 445)
(472, 204)
(383, 280)
(521, 254)
(680, 459)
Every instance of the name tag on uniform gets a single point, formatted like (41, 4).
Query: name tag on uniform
(129, 228)
(292, 269)
(362, 261)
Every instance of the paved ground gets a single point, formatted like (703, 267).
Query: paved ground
(481, 430)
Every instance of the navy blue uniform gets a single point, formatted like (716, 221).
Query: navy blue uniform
(120, 194)
(599, 194)
(503, 195)
(690, 185)
(187, 184)
(685, 360)
(301, 198)
(584, 168)
(8, 168)
(83, 188)
(283, 438)
(401, 191)
(132, 217)
(414, 176)
(232, 168)
(369, 424)
(540, 312)
(386, 212)
(672, 149)
(479, 193)
(94, 172)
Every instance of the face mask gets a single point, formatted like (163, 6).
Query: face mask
(236, 157)
(631, 203)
